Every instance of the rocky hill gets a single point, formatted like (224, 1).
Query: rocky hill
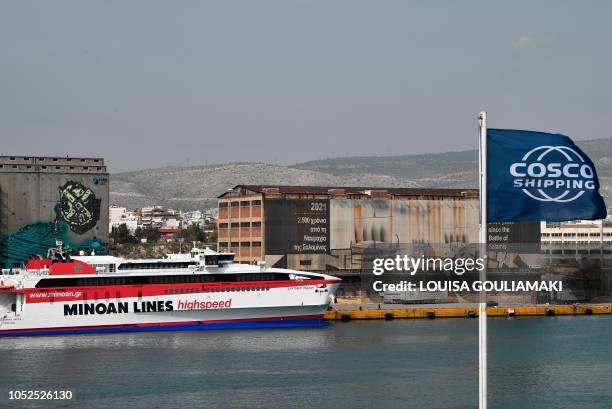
(198, 186)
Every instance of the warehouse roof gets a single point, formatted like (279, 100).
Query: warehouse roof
(336, 191)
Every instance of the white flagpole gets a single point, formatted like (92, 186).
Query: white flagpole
(482, 310)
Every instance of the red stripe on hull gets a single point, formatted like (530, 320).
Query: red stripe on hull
(35, 295)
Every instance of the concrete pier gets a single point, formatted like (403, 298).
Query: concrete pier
(348, 312)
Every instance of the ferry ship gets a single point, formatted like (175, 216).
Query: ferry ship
(202, 289)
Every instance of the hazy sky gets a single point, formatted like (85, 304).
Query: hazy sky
(147, 84)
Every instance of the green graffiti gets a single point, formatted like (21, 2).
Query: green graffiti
(36, 238)
(78, 207)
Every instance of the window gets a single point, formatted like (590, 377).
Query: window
(234, 225)
(245, 203)
(145, 280)
(223, 204)
(245, 224)
(234, 204)
(305, 262)
(256, 224)
(256, 202)
(223, 225)
(245, 244)
(256, 244)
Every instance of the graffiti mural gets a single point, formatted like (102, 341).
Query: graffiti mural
(76, 212)
(36, 238)
(78, 207)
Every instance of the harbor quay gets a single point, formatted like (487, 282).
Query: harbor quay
(371, 311)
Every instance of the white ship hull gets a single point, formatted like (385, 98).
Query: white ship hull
(203, 290)
(289, 306)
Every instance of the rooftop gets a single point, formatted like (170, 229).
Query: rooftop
(339, 191)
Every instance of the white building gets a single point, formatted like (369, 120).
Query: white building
(120, 215)
(579, 238)
(194, 217)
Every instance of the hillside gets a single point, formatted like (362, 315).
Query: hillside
(198, 186)
(449, 169)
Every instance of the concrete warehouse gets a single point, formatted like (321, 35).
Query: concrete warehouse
(330, 228)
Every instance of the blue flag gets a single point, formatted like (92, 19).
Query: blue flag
(537, 176)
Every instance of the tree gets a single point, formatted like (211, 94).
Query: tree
(121, 234)
(212, 236)
(192, 233)
(152, 234)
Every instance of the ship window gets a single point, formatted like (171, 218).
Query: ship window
(223, 279)
(256, 202)
(245, 203)
(256, 224)
(223, 204)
